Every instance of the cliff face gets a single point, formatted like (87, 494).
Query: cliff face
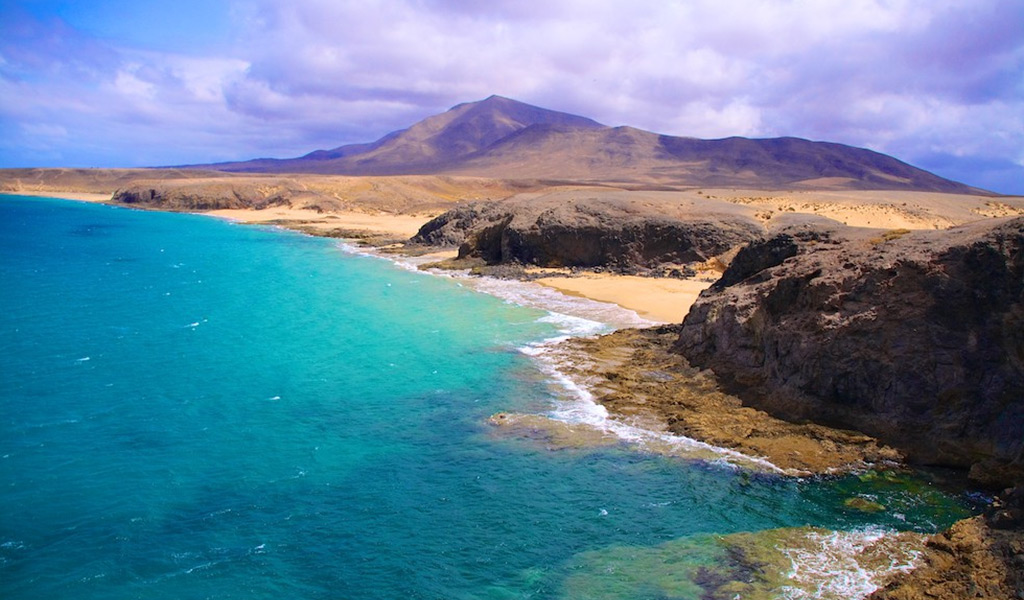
(623, 232)
(916, 338)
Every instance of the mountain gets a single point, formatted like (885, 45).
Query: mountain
(504, 138)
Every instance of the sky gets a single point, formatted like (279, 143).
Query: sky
(121, 83)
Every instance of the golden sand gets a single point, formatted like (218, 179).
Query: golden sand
(80, 196)
(657, 299)
(380, 223)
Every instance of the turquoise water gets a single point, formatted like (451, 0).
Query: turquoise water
(195, 409)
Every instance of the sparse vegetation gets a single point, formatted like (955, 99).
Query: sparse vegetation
(888, 236)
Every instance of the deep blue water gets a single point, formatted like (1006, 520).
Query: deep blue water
(196, 409)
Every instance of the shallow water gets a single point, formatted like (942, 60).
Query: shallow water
(193, 408)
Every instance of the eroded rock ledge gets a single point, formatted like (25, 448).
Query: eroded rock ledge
(636, 376)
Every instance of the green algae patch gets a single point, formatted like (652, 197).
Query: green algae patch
(671, 570)
(863, 504)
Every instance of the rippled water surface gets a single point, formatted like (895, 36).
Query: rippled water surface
(196, 409)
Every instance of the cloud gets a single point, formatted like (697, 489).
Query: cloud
(916, 78)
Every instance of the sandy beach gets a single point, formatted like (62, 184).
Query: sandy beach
(81, 196)
(384, 224)
(658, 299)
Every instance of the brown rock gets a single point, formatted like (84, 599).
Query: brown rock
(976, 558)
(916, 338)
(623, 231)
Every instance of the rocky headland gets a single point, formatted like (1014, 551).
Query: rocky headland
(616, 230)
(824, 348)
(819, 332)
(916, 338)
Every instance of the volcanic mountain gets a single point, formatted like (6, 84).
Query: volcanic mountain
(503, 138)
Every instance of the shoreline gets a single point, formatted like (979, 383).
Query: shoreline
(624, 375)
(614, 366)
(628, 387)
(589, 370)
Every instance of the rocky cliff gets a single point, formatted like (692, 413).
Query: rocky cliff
(621, 231)
(916, 338)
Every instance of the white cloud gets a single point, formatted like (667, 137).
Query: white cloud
(913, 77)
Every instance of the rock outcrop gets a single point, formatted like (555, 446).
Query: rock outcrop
(620, 231)
(916, 338)
(414, 195)
(981, 557)
(200, 195)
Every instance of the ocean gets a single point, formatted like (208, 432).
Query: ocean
(192, 408)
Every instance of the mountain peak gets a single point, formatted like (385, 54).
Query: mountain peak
(462, 131)
(523, 114)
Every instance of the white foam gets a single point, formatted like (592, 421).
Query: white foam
(828, 568)
(572, 314)
(577, 405)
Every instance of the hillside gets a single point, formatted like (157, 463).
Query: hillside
(502, 138)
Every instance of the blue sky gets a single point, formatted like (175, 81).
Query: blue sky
(936, 83)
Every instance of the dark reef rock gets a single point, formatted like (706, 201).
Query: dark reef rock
(621, 232)
(916, 338)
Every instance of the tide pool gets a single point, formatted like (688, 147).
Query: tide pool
(196, 409)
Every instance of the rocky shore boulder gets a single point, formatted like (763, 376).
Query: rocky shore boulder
(916, 338)
(619, 230)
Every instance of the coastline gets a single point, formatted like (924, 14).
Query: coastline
(604, 368)
(615, 352)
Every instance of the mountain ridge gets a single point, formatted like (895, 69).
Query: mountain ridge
(504, 138)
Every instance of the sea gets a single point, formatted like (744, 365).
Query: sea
(192, 408)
